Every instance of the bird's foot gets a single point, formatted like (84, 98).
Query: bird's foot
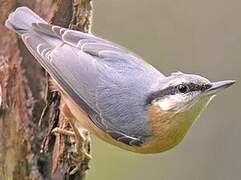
(80, 156)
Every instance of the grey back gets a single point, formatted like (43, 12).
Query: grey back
(110, 83)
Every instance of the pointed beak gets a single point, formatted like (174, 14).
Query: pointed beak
(218, 86)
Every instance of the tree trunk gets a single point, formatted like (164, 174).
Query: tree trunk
(29, 110)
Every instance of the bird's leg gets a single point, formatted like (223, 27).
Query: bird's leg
(81, 155)
(82, 139)
(82, 147)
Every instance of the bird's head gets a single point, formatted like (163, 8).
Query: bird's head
(181, 92)
(175, 103)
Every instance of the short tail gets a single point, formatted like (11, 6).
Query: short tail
(20, 21)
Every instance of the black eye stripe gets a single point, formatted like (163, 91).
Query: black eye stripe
(196, 87)
(171, 90)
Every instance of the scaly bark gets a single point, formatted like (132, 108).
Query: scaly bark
(26, 150)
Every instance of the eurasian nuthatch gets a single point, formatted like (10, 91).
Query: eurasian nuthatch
(111, 91)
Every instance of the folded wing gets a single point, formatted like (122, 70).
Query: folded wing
(106, 80)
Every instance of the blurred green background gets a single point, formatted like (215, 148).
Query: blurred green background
(193, 36)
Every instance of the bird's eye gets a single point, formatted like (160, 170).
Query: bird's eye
(182, 88)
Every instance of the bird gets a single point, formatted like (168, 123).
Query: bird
(112, 92)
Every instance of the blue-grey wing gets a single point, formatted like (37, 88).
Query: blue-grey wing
(107, 81)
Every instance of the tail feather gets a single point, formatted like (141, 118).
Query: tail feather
(21, 20)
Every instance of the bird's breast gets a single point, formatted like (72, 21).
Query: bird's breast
(167, 129)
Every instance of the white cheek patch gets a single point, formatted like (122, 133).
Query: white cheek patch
(165, 104)
(176, 102)
(170, 102)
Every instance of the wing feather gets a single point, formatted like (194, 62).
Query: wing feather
(107, 81)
